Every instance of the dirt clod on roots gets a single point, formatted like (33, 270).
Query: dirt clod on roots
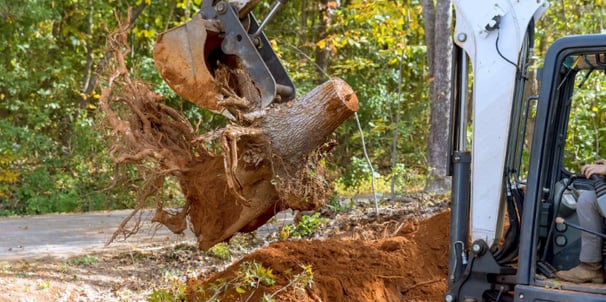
(235, 190)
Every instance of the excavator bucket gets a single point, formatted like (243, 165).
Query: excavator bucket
(222, 36)
(180, 57)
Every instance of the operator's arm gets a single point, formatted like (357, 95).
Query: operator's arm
(598, 168)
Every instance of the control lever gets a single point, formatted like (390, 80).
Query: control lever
(560, 220)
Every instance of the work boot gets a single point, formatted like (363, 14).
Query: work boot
(584, 272)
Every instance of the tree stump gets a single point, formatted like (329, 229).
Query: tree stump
(273, 166)
(269, 159)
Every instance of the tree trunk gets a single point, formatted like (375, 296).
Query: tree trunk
(327, 11)
(297, 128)
(439, 51)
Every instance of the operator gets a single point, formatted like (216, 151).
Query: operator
(590, 217)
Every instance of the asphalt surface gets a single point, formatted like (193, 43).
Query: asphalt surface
(65, 235)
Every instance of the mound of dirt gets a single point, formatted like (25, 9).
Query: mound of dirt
(412, 265)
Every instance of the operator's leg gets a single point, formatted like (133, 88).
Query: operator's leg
(590, 218)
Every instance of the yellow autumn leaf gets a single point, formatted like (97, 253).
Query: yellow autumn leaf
(8, 176)
(321, 43)
(240, 290)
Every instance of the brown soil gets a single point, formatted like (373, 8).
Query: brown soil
(408, 266)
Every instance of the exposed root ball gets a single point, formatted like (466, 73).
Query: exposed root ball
(269, 156)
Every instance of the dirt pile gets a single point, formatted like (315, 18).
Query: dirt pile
(409, 266)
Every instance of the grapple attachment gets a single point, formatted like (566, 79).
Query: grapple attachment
(221, 35)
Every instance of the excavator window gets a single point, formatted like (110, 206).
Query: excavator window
(581, 89)
(586, 130)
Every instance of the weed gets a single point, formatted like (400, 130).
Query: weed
(298, 282)
(249, 277)
(305, 228)
(255, 274)
(136, 256)
(165, 295)
(334, 204)
(6, 269)
(175, 293)
(44, 285)
(84, 260)
(65, 267)
(220, 250)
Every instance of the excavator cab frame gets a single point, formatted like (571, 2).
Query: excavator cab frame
(540, 235)
(520, 265)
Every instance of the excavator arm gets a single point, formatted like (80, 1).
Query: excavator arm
(491, 40)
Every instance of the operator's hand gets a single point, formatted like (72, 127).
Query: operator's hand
(598, 168)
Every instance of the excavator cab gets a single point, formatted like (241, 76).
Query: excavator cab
(582, 74)
(550, 137)
(568, 133)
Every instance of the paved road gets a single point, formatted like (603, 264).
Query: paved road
(63, 235)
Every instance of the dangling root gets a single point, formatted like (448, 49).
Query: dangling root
(229, 146)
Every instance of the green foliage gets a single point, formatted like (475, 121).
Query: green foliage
(370, 43)
(220, 250)
(84, 260)
(43, 285)
(168, 295)
(250, 276)
(253, 274)
(586, 135)
(305, 228)
(299, 282)
(334, 204)
(53, 156)
(380, 52)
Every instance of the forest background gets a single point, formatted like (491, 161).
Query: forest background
(54, 151)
